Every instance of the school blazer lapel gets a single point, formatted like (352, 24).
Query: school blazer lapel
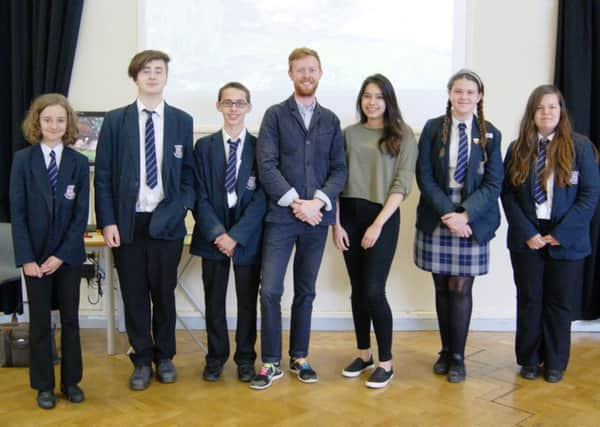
(169, 140)
(131, 141)
(245, 169)
(65, 172)
(218, 160)
(40, 176)
(475, 156)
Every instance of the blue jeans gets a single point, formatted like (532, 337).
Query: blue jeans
(278, 243)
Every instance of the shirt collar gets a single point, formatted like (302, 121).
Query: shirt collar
(226, 136)
(159, 110)
(46, 150)
(468, 122)
(306, 108)
(549, 138)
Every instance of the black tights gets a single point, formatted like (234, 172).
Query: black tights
(454, 304)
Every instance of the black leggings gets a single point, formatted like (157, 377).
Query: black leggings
(454, 304)
(368, 271)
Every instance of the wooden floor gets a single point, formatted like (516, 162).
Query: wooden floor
(493, 395)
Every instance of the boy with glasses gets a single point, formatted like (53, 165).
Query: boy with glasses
(229, 214)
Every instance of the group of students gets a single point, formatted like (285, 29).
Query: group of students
(255, 200)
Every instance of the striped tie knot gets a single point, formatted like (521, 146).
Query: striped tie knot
(230, 170)
(52, 171)
(150, 151)
(463, 154)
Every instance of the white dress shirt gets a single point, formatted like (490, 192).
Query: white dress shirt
(149, 198)
(232, 197)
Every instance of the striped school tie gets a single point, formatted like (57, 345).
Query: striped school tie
(150, 150)
(539, 194)
(230, 177)
(52, 171)
(463, 154)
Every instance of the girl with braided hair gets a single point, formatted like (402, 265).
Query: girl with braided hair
(459, 172)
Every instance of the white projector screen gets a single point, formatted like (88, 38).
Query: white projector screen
(416, 44)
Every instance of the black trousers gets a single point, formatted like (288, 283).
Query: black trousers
(215, 275)
(368, 271)
(544, 287)
(64, 284)
(147, 271)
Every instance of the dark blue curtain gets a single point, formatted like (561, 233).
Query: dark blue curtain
(577, 75)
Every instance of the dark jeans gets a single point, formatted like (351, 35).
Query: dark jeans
(544, 287)
(279, 241)
(215, 276)
(368, 271)
(64, 284)
(147, 270)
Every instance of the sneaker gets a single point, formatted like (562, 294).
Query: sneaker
(380, 378)
(357, 367)
(305, 373)
(265, 377)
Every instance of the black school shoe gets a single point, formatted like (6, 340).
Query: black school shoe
(212, 372)
(166, 372)
(46, 399)
(246, 372)
(380, 378)
(73, 393)
(553, 375)
(140, 378)
(440, 367)
(529, 372)
(456, 369)
(357, 367)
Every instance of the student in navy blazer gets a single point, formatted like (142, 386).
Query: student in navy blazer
(302, 167)
(229, 214)
(549, 196)
(49, 193)
(459, 173)
(143, 186)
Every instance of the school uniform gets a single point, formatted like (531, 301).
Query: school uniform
(47, 222)
(436, 249)
(240, 214)
(543, 276)
(149, 216)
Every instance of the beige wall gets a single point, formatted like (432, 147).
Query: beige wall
(510, 43)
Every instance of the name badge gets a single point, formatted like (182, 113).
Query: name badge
(251, 184)
(178, 151)
(489, 135)
(574, 178)
(70, 192)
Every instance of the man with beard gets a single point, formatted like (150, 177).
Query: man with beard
(302, 167)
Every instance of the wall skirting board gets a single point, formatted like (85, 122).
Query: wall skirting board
(322, 323)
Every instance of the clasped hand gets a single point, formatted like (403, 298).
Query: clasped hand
(458, 224)
(225, 244)
(308, 211)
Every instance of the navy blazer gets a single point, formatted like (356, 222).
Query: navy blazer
(117, 173)
(212, 213)
(572, 207)
(482, 185)
(43, 226)
(289, 155)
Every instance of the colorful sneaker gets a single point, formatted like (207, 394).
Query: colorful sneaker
(380, 378)
(357, 367)
(265, 377)
(305, 373)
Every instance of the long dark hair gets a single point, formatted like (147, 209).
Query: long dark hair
(561, 153)
(393, 124)
(465, 73)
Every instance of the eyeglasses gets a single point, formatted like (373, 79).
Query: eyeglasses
(228, 103)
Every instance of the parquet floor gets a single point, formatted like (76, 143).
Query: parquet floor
(493, 395)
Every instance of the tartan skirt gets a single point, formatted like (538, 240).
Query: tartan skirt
(442, 252)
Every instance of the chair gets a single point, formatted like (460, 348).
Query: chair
(8, 271)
